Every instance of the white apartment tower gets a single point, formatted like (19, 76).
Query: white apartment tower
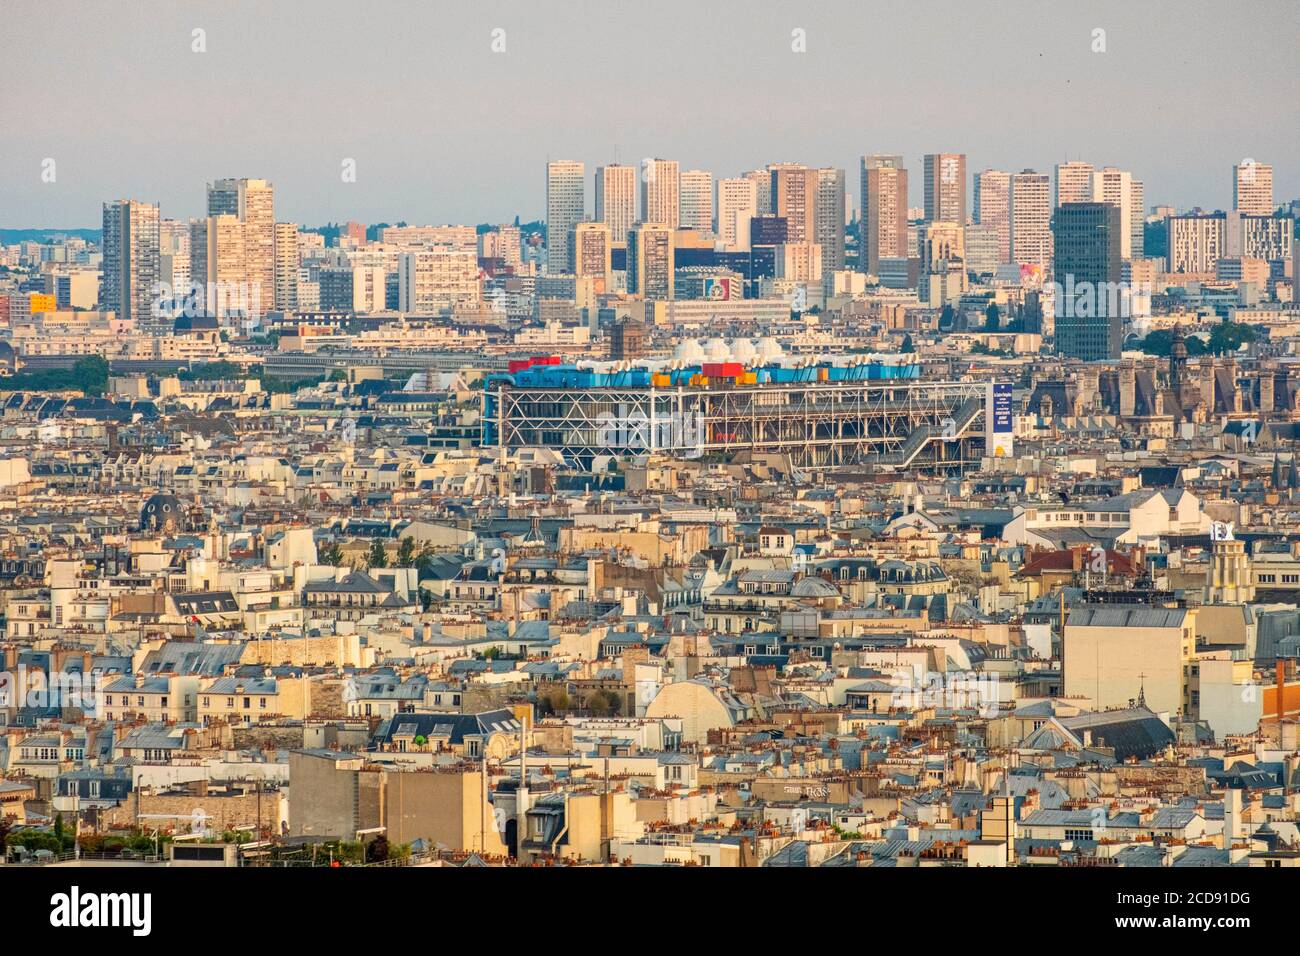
(762, 180)
(435, 281)
(219, 266)
(252, 202)
(616, 200)
(650, 261)
(287, 261)
(696, 200)
(174, 255)
(828, 221)
(1073, 183)
(131, 255)
(993, 208)
(591, 252)
(737, 205)
(1031, 218)
(1197, 242)
(884, 210)
(1119, 188)
(1252, 188)
(794, 197)
(945, 187)
(1138, 222)
(565, 205)
(660, 202)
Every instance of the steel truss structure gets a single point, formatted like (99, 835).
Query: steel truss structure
(934, 427)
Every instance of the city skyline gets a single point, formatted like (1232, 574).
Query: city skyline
(151, 135)
(569, 435)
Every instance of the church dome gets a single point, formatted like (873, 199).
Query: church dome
(161, 513)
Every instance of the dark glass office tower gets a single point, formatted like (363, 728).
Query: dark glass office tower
(1090, 298)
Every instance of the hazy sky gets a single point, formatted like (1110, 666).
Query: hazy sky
(442, 129)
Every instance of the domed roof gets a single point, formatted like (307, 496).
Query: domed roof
(688, 350)
(716, 350)
(160, 510)
(813, 587)
(769, 348)
(742, 350)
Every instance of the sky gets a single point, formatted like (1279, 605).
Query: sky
(442, 128)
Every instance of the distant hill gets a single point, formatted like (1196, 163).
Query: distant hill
(9, 237)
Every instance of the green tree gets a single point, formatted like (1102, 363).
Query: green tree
(377, 849)
(89, 375)
(406, 553)
(214, 371)
(602, 703)
(351, 851)
(992, 318)
(553, 701)
(1230, 336)
(378, 555)
(1161, 341)
(331, 553)
(907, 345)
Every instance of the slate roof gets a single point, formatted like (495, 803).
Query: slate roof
(1126, 615)
(355, 582)
(206, 602)
(453, 726)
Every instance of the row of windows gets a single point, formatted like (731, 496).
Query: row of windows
(139, 700)
(816, 650)
(52, 753)
(230, 702)
(1105, 517)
